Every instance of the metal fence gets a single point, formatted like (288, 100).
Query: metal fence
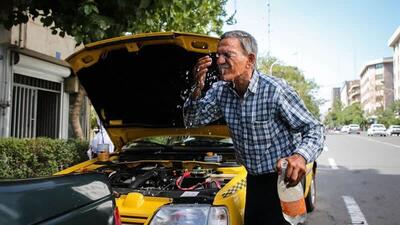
(35, 108)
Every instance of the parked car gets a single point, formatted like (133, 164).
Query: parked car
(393, 129)
(162, 172)
(345, 129)
(59, 200)
(353, 129)
(376, 129)
(336, 130)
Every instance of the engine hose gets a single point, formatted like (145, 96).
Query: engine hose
(140, 179)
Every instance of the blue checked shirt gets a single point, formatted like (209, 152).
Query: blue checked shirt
(263, 124)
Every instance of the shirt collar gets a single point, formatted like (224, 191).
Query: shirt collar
(253, 85)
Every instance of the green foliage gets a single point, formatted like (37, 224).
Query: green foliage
(305, 88)
(390, 116)
(91, 20)
(26, 158)
(352, 114)
(339, 116)
(333, 118)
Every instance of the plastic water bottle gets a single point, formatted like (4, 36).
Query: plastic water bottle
(292, 199)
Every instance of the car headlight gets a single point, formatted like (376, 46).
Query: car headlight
(185, 214)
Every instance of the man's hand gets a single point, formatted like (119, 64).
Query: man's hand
(296, 169)
(200, 71)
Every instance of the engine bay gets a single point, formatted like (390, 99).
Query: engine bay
(172, 179)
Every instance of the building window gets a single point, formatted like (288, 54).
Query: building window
(378, 87)
(35, 108)
(379, 65)
(379, 99)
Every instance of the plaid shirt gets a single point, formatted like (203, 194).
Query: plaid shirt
(263, 124)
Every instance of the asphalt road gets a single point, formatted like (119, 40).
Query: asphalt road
(358, 181)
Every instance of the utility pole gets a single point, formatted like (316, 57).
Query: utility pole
(269, 29)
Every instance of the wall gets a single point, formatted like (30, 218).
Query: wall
(34, 36)
(5, 36)
(396, 70)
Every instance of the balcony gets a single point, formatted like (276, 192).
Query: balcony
(354, 87)
(354, 94)
(355, 100)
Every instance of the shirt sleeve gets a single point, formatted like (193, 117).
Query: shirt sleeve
(203, 110)
(295, 113)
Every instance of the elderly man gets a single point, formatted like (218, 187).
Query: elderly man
(263, 114)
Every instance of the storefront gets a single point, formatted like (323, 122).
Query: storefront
(32, 97)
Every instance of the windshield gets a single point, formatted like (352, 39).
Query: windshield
(180, 141)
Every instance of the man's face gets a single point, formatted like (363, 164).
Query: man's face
(231, 59)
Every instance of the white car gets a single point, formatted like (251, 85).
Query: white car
(393, 129)
(354, 129)
(376, 129)
(345, 129)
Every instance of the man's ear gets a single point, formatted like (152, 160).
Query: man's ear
(252, 59)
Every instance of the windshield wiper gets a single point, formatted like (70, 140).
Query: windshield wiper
(206, 143)
(141, 143)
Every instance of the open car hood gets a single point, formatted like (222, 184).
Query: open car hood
(138, 84)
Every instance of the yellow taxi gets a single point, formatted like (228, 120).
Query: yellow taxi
(162, 171)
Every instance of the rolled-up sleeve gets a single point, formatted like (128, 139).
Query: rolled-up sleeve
(293, 110)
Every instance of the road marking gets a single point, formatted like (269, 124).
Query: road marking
(333, 164)
(326, 148)
(381, 142)
(357, 217)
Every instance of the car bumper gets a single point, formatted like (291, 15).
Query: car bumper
(378, 133)
(353, 131)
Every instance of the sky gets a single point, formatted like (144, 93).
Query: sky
(330, 41)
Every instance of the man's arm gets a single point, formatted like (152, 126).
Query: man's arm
(196, 110)
(295, 113)
(202, 111)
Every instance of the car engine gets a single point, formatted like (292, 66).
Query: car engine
(158, 180)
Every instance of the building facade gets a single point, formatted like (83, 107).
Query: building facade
(335, 95)
(33, 99)
(350, 92)
(394, 42)
(354, 92)
(344, 96)
(376, 85)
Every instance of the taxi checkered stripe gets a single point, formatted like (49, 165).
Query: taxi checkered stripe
(235, 188)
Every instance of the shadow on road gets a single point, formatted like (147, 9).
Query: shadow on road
(376, 194)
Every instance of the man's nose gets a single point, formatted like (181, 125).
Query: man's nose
(220, 59)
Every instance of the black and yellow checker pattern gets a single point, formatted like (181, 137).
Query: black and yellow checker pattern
(240, 185)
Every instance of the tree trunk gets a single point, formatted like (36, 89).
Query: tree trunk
(76, 113)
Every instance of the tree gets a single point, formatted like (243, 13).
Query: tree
(390, 115)
(93, 20)
(305, 88)
(334, 116)
(352, 114)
